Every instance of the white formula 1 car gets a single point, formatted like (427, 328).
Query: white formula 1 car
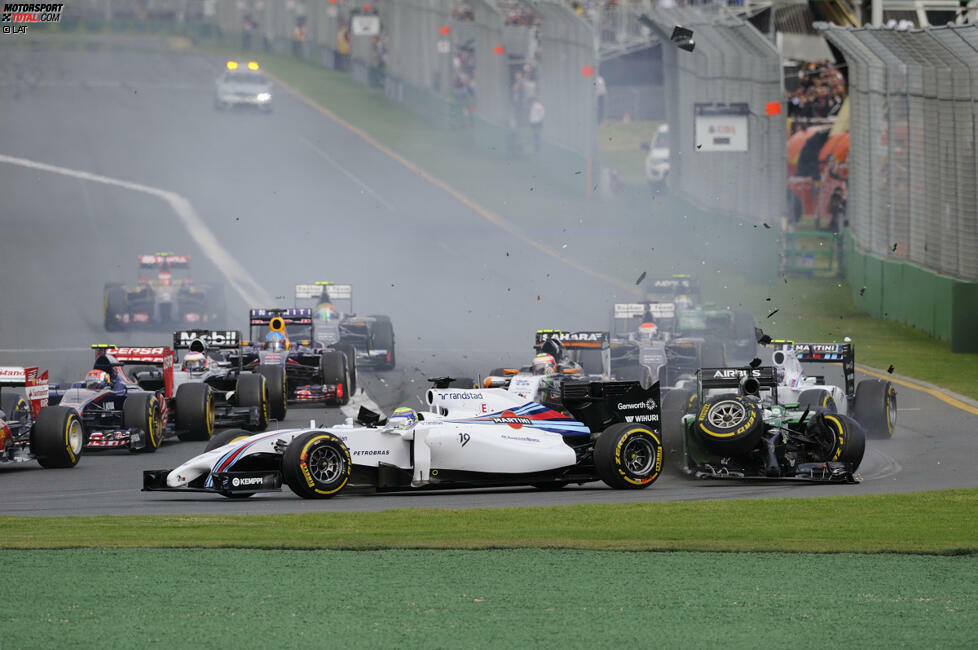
(469, 438)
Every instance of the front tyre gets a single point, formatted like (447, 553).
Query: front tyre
(628, 456)
(195, 411)
(848, 440)
(316, 465)
(876, 407)
(817, 399)
(57, 437)
(729, 425)
(252, 390)
(277, 390)
(142, 411)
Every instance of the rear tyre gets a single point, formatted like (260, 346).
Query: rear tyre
(817, 400)
(848, 440)
(334, 373)
(116, 305)
(316, 465)
(226, 437)
(383, 339)
(57, 437)
(277, 396)
(351, 364)
(252, 390)
(628, 456)
(195, 412)
(876, 407)
(728, 425)
(143, 411)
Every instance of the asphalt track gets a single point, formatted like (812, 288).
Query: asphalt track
(296, 197)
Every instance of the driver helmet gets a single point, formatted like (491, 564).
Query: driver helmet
(402, 418)
(275, 341)
(97, 380)
(544, 364)
(648, 331)
(195, 362)
(325, 312)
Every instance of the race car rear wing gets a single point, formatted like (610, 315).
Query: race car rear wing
(156, 260)
(731, 378)
(211, 339)
(111, 355)
(290, 316)
(35, 385)
(666, 288)
(625, 314)
(574, 340)
(836, 353)
(330, 292)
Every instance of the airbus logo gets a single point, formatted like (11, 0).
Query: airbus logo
(734, 373)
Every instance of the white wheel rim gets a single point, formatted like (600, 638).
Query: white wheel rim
(727, 414)
(75, 436)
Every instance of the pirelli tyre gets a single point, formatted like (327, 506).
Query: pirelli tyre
(115, 306)
(875, 407)
(332, 367)
(383, 339)
(226, 437)
(316, 465)
(144, 412)
(628, 456)
(848, 441)
(816, 399)
(58, 437)
(252, 390)
(729, 425)
(351, 364)
(275, 378)
(195, 411)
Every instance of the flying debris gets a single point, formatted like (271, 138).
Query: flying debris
(766, 226)
(862, 291)
(764, 340)
(773, 313)
(890, 369)
(683, 38)
(755, 362)
(640, 278)
(893, 248)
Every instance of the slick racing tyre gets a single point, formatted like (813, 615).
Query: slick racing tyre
(252, 390)
(848, 441)
(351, 364)
(334, 372)
(817, 400)
(316, 465)
(57, 437)
(876, 407)
(383, 339)
(195, 411)
(277, 390)
(729, 425)
(628, 456)
(116, 305)
(226, 437)
(143, 411)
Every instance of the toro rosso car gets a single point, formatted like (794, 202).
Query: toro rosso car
(286, 339)
(372, 337)
(467, 439)
(127, 401)
(239, 397)
(164, 296)
(742, 431)
(32, 430)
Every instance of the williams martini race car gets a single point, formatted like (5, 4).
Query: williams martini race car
(165, 295)
(240, 398)
(372, 337)
(744, 432)
(127, 401)
(32, 430)
(314, 372)
(472, 438)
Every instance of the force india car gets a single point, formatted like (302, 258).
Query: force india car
(748, 434)
(244, 86)
(313, 371)
(469, 438)
(165, 296)
(239, 397)
(372, 337)
(32, 430)
(137, 409)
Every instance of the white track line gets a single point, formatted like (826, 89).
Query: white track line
(353, 177)
(239, 278)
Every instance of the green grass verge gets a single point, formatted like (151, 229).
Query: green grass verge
(477, 599)
(926, 522)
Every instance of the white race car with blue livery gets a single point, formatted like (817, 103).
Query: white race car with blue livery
(469, 438)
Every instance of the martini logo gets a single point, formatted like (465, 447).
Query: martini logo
(513, 420)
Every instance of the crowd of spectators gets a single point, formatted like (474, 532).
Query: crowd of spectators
(820, 92)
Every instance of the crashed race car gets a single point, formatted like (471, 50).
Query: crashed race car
(30, 429)
(127, 401)
(336, 324)
(285, 338)
(472, 438)
(742, 431)
(165, 296)
(239, 397)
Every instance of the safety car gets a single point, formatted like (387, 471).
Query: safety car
(242, 85)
